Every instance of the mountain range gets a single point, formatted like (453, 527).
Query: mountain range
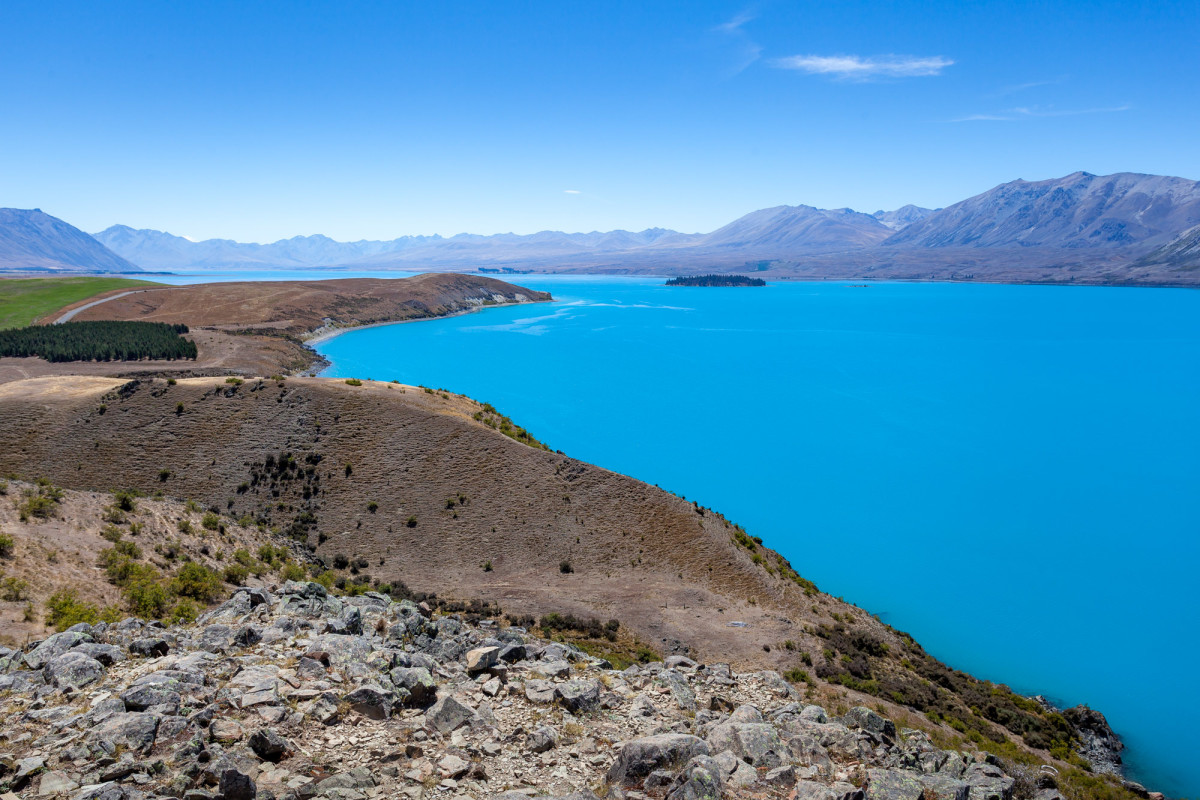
(34, 241)
(1122, 228)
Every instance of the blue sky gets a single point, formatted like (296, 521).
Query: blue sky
(258, 121)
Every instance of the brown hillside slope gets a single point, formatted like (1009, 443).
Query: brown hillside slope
(258, 328)
(303, 306)
(637, 552)
(428, 494)
(63, 549)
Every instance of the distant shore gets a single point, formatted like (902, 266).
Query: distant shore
(326, 333)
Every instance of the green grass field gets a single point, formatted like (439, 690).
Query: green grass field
(22, 300)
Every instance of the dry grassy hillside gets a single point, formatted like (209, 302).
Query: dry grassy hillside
(413, 483)
(58, 543)
(425, 488)
(259, 328)
(302, 306)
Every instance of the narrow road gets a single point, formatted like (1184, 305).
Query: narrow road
(67, 316)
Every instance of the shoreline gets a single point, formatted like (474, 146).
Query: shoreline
(318, 335)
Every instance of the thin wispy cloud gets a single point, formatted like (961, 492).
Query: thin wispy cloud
(572, 191)
(1024, 87)
(1020, 113)
(734, 25)
(747, 50)
(866, 68)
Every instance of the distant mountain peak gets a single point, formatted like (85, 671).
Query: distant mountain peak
(1078, 211)
(32, 240)
(902, 217)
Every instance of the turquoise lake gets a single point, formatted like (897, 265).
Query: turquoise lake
(1009, 473)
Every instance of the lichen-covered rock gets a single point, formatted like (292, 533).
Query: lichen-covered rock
(54, 645)
(130, 730)
(700, 779)
(579, 695)
(543, 739)
(863, 718)
(886, 784)
(418, 682)
(268, 745)
(371, 701)
(449, 714)
(640, 757)
(756, 743)
(73, 670)
(237, 785)
(988, 782)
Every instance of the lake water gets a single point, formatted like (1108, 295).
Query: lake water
(1010, 473)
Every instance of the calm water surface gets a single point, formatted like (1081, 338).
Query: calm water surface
(1010, 473)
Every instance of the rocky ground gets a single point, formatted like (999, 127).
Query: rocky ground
(292, 693)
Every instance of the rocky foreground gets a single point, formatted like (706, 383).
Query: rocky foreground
(293, 693)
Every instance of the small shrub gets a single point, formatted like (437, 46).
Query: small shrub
(178, 409)
(234, 381)
(487, 566)
(292, 572)
(64, 609)
(147, 598)
(340, 561)
(6, 545)
(13, 589)
(197, 582)
(565, 568)
(412, 522)
(372, 506)
(210, 521)
(163, 474)
(171, 381)
(236, 574)
(353, 382)
(111, 533)
(41, 502)
(184, 612)
(125, 501)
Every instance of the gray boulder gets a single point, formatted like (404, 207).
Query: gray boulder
(988, 782)
(579, 696)
(543, 739)
(54, 645)
(106, 654)
(268, 745)
(700, 779)
(814, 714)
(863, 718)
(756, 743)
(131, 730)
(418, 682)
(152, 695)
(237, 785)
(640, 757)
(371, 701)
(449, 714)
(944, 787)
(538, 691)
(72, 670)
(149, 647)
